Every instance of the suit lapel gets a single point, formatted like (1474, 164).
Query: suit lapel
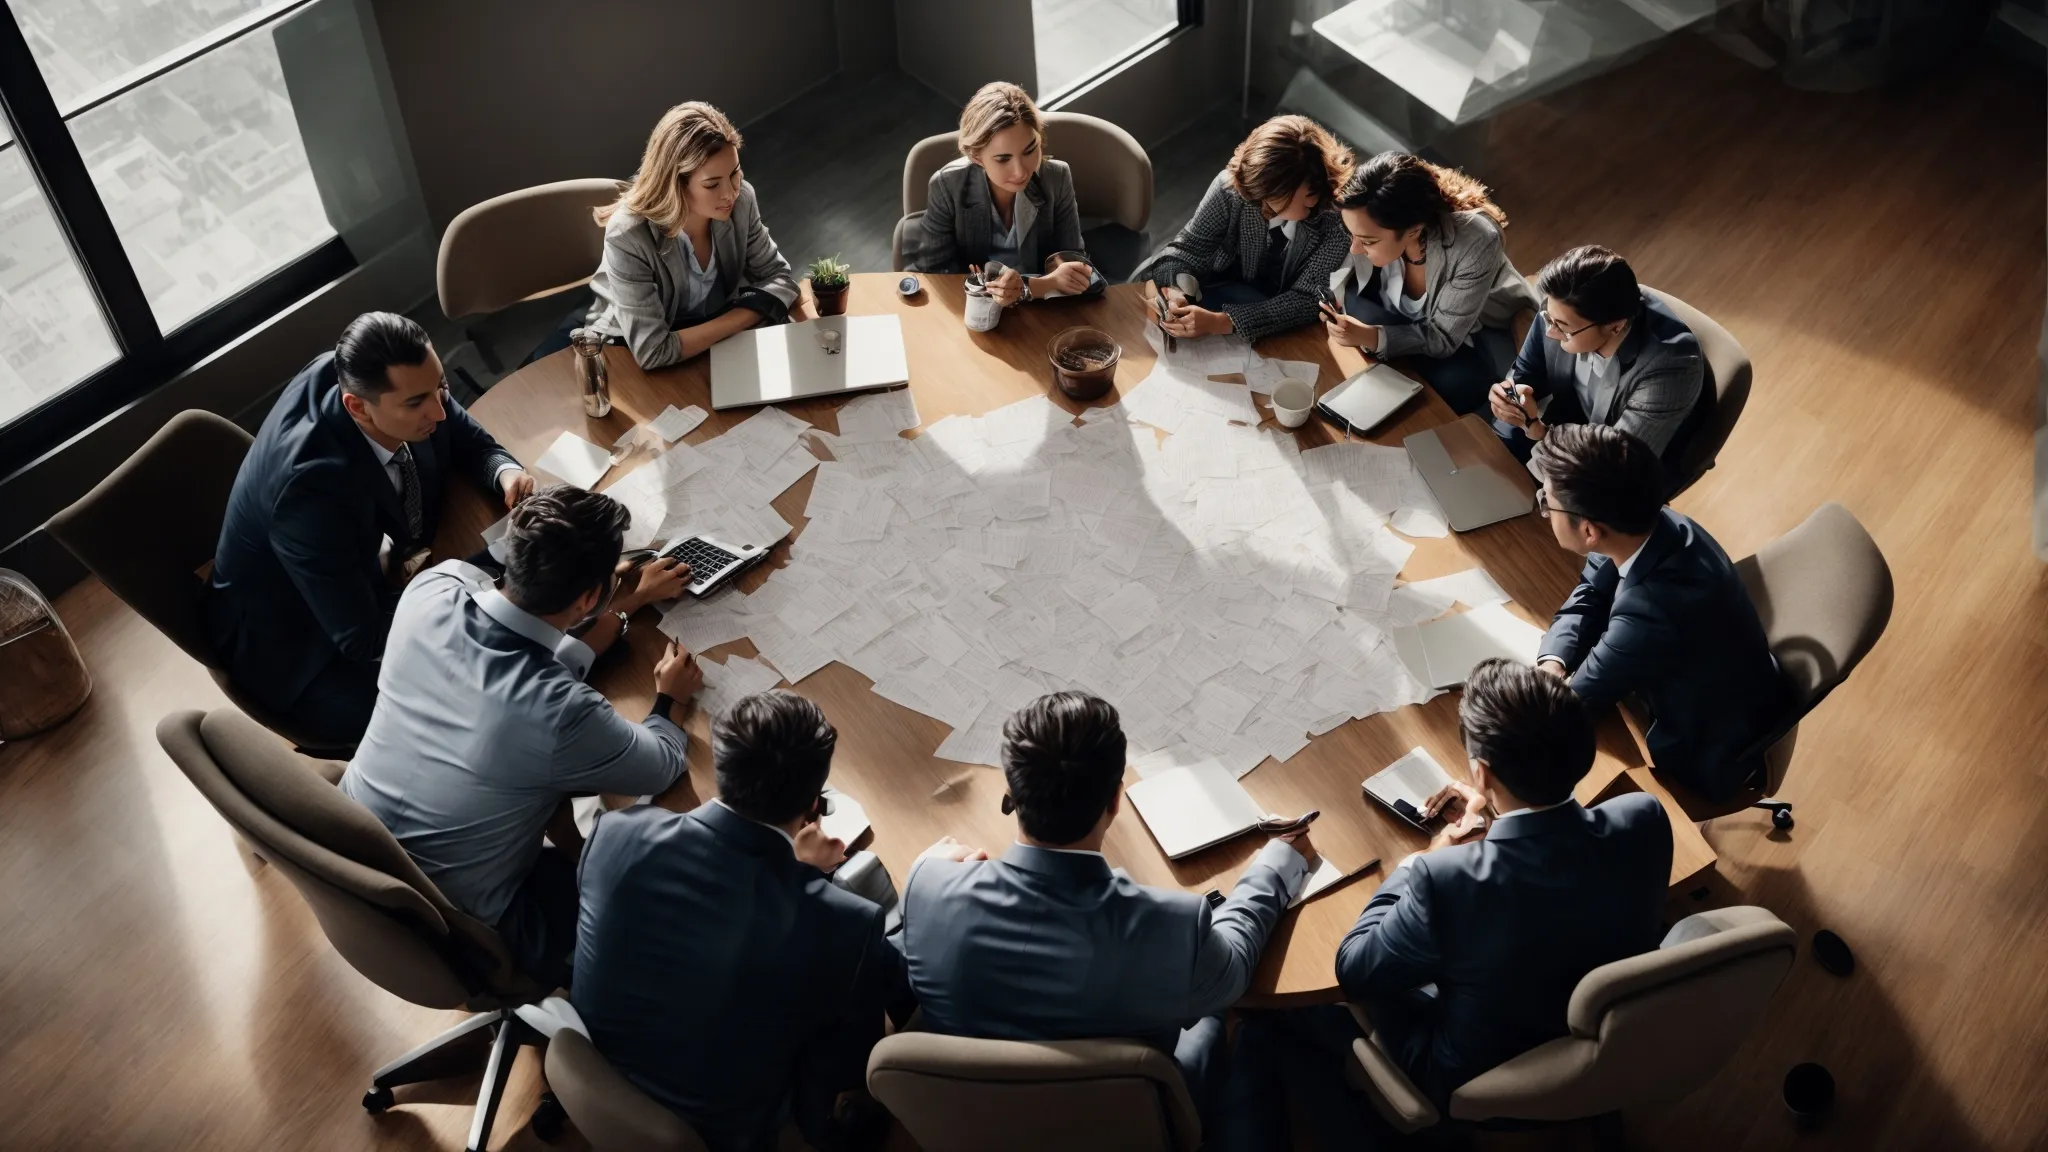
(1625, 358)
(1027, 217)
(1664, 539)
(725, 248)
(977, 224)
(370, 474)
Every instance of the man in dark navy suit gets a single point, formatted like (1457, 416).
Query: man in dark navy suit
(1468, 954)
(357, 453)
(717, 965)
(1659, 613)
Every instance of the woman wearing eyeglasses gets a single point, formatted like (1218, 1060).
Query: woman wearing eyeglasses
(1263, 243)
(1428, 276)
(1005, 202)
(1605, 351)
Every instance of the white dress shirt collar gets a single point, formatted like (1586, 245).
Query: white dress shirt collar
(1622, 566)
(574, 654)
(1287, 227)
(772, 828)
(1530, 811)
(1062, 851)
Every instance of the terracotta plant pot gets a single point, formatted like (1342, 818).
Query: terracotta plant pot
(831, 298)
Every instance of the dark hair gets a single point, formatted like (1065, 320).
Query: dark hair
(1063, 756)
(1597, 283)
(1530, 728)
(560, 543)
(1400, 191)
(371, 344)
(772, 751)
(1284, 154)
(1600, 473)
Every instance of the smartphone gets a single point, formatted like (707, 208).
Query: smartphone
(1328, 296)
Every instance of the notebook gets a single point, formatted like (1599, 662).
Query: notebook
(1442, 653)
(1407, 784)
(1195, 807)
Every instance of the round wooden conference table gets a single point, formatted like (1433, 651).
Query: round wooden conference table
(884, 757)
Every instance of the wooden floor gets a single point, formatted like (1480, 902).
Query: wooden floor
(1881, 255)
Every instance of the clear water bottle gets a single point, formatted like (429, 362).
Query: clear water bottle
(590, 371)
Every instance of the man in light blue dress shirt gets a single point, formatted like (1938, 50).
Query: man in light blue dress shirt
(483, 723)
(1051, 943)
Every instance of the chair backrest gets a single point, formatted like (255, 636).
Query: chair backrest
(1722, 395)
(147, 528)
(1648, 1030)
(955, 1094)
(1824, 594)
(377, 908)
(1112, 171)
(611, 1112)
(520, 246)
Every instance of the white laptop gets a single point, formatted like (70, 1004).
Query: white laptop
(779, 362)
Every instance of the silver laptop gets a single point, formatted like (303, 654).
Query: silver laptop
(1475, 479)
(791, 361)
(1367, 399)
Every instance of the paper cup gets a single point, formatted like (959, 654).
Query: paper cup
(1292, 400)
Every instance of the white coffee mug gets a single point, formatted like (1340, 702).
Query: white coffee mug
(982, 312)
(1292, 400)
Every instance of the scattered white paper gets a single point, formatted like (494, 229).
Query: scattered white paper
(675, 423)
(1419, 522)
(574, 461)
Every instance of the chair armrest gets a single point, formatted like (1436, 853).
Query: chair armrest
(1395, 1097)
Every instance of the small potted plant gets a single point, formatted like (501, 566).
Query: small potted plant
(829, 284)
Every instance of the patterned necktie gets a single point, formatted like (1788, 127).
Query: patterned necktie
(409, 490)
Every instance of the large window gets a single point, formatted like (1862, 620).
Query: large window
(157, 198)
(1078, 40)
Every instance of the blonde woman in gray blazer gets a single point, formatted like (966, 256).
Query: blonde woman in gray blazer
(1428, 276)
(1003, 201)
(687, 261)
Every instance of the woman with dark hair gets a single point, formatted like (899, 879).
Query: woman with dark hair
(1605, 350)
(1264, 241)
(1428, 276)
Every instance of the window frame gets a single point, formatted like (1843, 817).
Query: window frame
(1188, 14)
(147, 358)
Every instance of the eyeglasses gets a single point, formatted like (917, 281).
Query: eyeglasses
(1556, 329)
(1544, 507)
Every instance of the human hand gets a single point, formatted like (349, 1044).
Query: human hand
(676, 674)
(1299, 841)
(1007, 288)
(1189, 321)
(1068, 278)
(1173, 296)
(1507, 404)
(516, 484)
(1467, 827)
(950, 849)
(1552, 665)
(1454, 800)
(662, 578)
(818, 850)
(1349, 331)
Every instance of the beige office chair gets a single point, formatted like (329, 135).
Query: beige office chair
(378, 910)
(1112, 175)
(955, 1094)
(522, 246)
(153, 523)
(1645, 1031)
(1722, 394)
(611, 1112)
(1824, 594)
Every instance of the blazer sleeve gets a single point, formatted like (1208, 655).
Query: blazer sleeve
(937, 251)
(1193, 249)
(767, 285)
(1639, 643)
(475, 451)
(1579, 624)
(1231, 939)
(1459, 301)
(320, 552)
(1393, 947)
(1296, 306)
(643, 315)
(1063, 233)
(598, 750)
(835, 1058)
(1531, 366)
(1661, 400)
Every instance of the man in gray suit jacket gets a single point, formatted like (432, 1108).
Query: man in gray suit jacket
(1605, 351)
(1051, 943)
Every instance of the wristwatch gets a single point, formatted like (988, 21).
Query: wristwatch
(1025, 296)
(625, 624)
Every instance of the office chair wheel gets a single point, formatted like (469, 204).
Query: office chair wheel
(376, 1100)
(548, 1118)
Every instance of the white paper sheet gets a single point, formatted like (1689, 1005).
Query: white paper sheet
(574, 461)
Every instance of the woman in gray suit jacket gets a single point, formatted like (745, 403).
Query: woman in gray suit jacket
(1004, 201)
(687, 261)
(1263, 243)
(1428, 276)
